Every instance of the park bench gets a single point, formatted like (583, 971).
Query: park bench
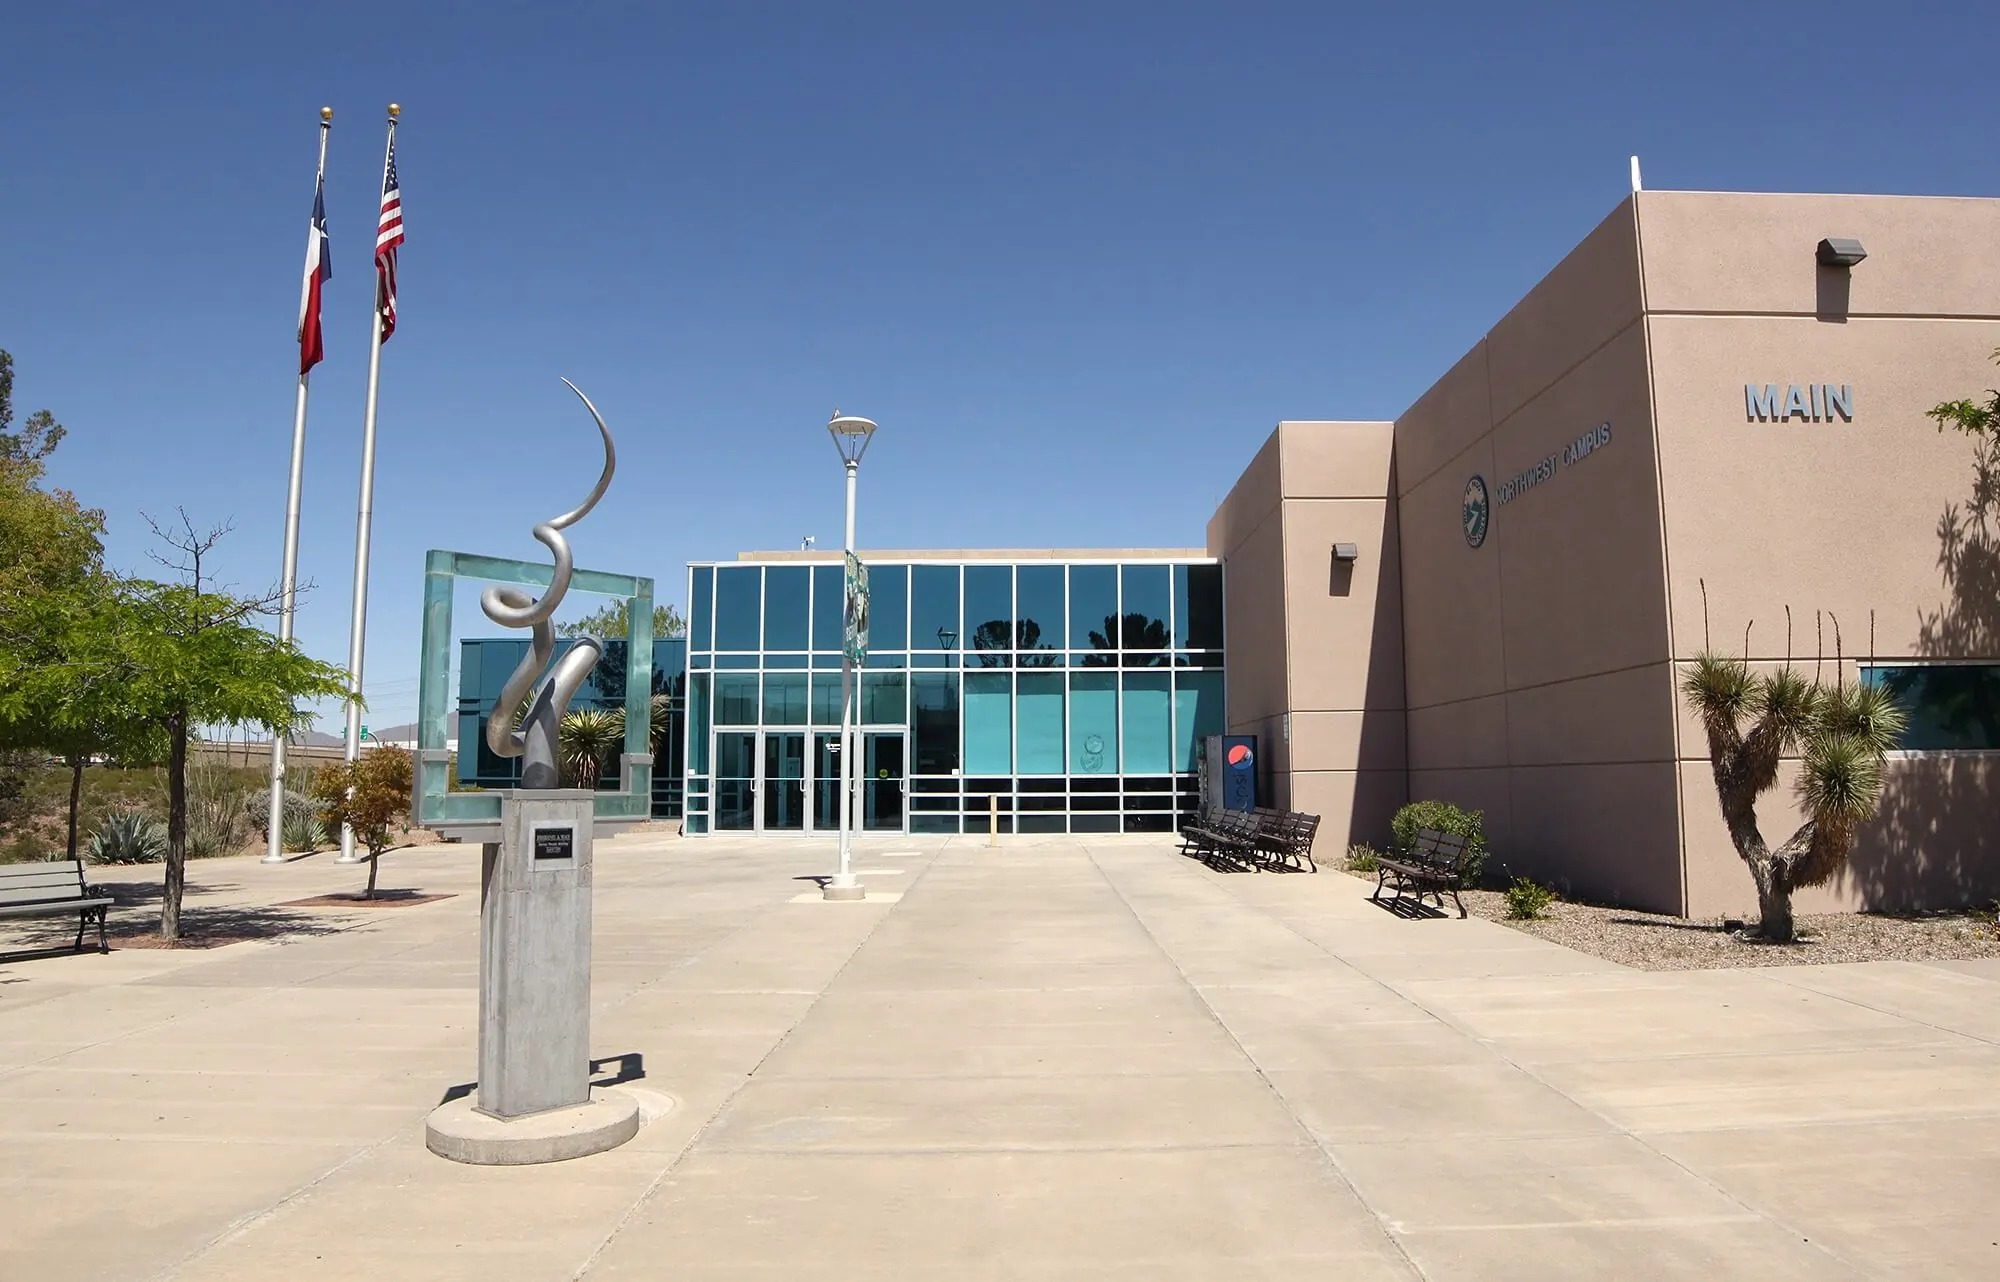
(1252, 839)
(1434, 863)
(52, 888)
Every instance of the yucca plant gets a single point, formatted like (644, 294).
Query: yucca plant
(661, 728)
(586, 739)
(1752, 721)
(128, 837)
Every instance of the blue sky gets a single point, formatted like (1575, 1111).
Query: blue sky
(1076, 259)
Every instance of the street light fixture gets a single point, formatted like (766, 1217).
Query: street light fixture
(851, 434)
(946, 638)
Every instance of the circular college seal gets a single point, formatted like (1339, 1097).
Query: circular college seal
(1474, 511)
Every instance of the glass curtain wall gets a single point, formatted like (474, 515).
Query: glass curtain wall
(1057, 696)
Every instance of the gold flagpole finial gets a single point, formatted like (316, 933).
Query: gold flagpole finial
(395, 110)
(326, 114)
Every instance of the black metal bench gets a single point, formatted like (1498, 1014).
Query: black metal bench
(52, 888)
(1434, 863)
(1254, 839)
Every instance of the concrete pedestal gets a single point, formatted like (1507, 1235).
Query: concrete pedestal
(534, 1102)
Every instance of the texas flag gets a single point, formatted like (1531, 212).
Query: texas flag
(319, 270)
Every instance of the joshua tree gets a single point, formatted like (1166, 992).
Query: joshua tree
(1752, 721)
(586, 737)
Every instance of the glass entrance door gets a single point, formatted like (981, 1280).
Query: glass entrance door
(882, 784)
(826, 783)
(735, 780)
(784, 780)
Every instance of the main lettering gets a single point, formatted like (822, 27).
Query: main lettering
(1810, 402)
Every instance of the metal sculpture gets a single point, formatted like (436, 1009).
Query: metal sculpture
(511, 607)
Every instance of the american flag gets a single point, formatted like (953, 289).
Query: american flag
(388, 235)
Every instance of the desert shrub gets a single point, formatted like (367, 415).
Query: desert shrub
(128, 837)
(299, 828)
(1445, 817)
(1362, 857)
(1526, 900)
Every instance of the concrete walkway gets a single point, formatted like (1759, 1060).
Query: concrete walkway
(1054, 1059)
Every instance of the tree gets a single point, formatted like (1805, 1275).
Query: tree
(610, 621)
(189, 655)
(1974, 418)
(47, 539)
(1752, 721)
(368, 797)
(54, 698)
(585, 738)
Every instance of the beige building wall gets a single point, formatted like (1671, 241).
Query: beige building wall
(1847, 521)
(1539, 667)
(1315, 645)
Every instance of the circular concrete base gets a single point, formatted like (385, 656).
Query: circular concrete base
(457, 1131)
(843, 894)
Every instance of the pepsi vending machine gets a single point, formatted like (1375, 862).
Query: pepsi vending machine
(1229, 776)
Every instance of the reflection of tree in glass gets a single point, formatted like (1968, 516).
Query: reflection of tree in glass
(1961, 704)
(1135, 631)
(992, 635)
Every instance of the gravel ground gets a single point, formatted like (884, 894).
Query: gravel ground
(1648, 941)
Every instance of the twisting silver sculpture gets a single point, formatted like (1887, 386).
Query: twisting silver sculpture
(512, 607)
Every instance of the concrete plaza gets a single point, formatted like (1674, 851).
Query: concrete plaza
(1059, 1058)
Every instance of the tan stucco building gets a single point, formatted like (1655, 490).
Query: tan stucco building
(1692, 423)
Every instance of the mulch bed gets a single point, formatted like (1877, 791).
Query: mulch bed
(1655, 941)
(382, 899)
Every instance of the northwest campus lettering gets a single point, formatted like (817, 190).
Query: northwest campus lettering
(1813, 402)
(1571, 454)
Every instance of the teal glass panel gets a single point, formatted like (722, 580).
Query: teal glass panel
(1950, 707)
(1093, 611)
(989, 608)
(882, 699)
(888, 607)
(829, 599)
(1093, 723)
(701, 608)
(778, 661)
(785, 588)
(934, 723)
(1147, 596)
(934, 607)
(989, 723)
(1198, 607)
(784, 698)
(826, 699)
(735, 699)
(1148, 724)
(698, 722)
(886, 659)
(1039, 723)
(1197, 712)
(1038, 608)
(739, 590)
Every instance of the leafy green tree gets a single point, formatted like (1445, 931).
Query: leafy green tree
(1752, 721)
(1973, 417)
(369, 797)
(54, 698)
(611, 621)
(47, 539)
(188, 654)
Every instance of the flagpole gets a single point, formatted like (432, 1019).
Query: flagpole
(289, 585)
(364, 521)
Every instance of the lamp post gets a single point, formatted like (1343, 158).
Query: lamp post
(851, 435)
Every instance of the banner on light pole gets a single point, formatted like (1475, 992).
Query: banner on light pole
(854, 619)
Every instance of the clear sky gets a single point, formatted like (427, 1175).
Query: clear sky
(1076, 258)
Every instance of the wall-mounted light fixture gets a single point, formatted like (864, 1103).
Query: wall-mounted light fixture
(1346, 553)
(1840, 251)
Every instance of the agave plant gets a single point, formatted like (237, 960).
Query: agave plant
(128, 837)
(586, 739)
(1752, 721)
